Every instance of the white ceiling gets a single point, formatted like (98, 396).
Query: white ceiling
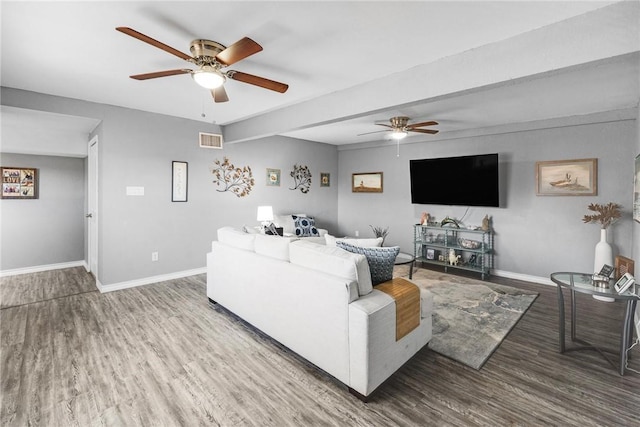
(327, 51)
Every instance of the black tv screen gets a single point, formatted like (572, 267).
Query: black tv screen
(464, 181)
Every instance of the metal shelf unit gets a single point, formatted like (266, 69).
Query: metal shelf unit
(432, 244)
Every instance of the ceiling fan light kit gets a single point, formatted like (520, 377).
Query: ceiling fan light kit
(208, 77)
(400, 127)
(211, 57)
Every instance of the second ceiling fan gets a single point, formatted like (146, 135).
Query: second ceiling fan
(210, 57)
(400, 127)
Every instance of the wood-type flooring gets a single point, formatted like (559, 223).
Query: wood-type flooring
(162, 355)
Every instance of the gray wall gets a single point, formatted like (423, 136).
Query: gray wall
(50, 229)
(137, 148)
(535, 235)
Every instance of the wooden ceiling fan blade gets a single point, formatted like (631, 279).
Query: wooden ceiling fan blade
(368, 133)
(219, 94)
(418, 125)
(431, 131)
(157, 74)
(257, 81)
(238, 51)
(153, 42)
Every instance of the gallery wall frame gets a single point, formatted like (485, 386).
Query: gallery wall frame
(273, 177)
(179, 181)
(578, 177)
(325, 179)
(367, 182)
(19, 183)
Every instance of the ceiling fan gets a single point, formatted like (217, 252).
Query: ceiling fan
(210, 57)
(400, 127)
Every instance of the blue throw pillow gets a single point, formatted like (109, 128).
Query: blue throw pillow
(305, 226)
(380, 260)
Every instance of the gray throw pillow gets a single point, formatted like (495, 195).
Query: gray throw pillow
(380, 260)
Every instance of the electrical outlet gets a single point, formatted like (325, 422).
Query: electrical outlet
(357, 233)
(154, 256)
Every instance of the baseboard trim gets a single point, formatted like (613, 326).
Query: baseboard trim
(40, 268)
(523, 277)
(150, 280)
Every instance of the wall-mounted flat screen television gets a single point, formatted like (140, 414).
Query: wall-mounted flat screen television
(464, 181)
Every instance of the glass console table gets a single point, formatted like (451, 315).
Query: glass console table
(582, 283)
(405, 258)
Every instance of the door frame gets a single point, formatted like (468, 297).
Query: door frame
(92, 208)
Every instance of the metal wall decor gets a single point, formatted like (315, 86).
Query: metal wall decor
(301, 178)
(239, 181)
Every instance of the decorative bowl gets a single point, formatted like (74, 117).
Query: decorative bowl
(469, 244)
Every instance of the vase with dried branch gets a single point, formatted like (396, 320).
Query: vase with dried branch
(605, 214)
(380, 232)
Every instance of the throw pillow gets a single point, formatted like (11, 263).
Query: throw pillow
(305, 226)
(380, 260)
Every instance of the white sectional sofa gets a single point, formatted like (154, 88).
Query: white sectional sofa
(318, 301)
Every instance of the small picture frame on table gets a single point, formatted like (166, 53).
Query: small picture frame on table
(624, 265)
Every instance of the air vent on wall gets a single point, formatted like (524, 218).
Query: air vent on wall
(210, 140)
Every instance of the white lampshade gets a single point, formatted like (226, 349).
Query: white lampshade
(208, 77)
(265, 213)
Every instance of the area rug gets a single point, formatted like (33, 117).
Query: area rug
(471, 317)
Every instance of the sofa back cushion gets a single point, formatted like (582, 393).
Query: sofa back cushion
(332, 260)
(273, 246)
(366, 243)
(381, 260)
(236, 238)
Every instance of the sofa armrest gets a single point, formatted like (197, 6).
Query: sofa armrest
(373, 350)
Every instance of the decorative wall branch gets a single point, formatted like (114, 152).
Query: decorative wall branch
(301, 178)
(237, 180)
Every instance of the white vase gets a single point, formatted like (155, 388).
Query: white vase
(603, 255)
(604, 252)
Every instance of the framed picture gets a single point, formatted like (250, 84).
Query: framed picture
(636, 191)
(19, 183)
(325, 179)
(369, 182)
(430, 254)
(179, 181)
(624, 265)
(567, 177)
(273, 177)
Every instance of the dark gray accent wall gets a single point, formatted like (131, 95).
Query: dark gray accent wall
(535, 235)
(50, 229)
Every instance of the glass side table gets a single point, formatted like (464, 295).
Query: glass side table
(582, 283)
(405, 258)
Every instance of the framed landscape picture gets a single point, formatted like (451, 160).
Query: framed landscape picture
(567, 177)
(369, 182)
(19, 183)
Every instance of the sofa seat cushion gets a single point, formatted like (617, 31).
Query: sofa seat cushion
(332, 260)
(380, 260)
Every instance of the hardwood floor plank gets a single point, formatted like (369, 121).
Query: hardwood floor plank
(162, 355)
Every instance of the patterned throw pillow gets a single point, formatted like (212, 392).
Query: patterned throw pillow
(380, 260)
(305, 226)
